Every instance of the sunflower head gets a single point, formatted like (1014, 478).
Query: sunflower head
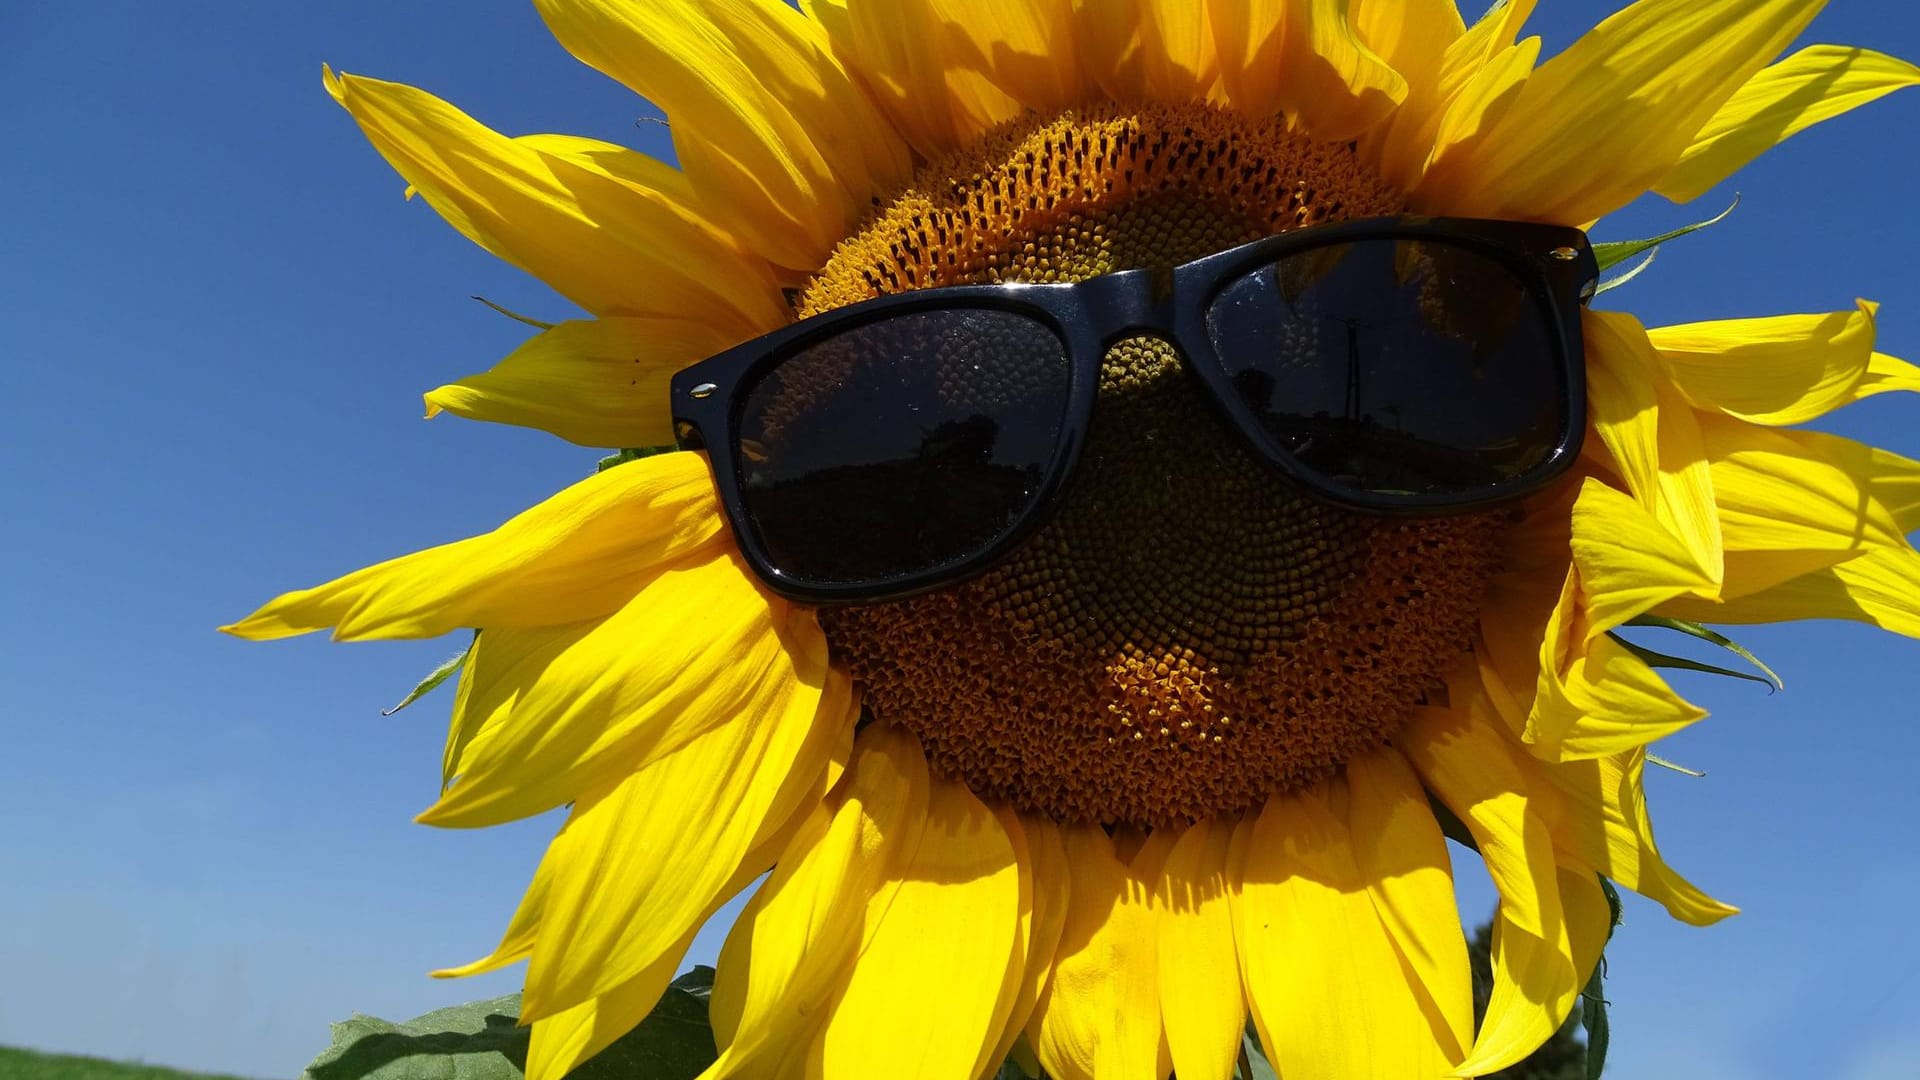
(1172, 760)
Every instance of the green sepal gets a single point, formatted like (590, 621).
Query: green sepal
(632, 453)
(1492, 10)
(1712, 637)
(1681, 663)
(1655, 759)
(515, 316)
(1618, 280)
(449, 668)
(1253, 1061)
(1451, 826)
(1593, 1000)
(1615, 252)
(482, 1040)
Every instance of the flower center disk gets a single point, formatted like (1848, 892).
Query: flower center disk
(1190, 633)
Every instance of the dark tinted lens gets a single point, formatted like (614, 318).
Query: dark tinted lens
(901, 445)
(1396, 366)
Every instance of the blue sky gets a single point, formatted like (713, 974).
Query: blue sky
(216, 318)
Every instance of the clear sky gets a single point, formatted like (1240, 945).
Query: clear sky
(216, 318)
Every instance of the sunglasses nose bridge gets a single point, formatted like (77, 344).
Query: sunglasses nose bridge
(1128, 303)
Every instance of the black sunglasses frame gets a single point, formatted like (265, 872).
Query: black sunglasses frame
(1554, 263)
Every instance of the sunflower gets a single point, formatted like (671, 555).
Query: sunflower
(1184, 756)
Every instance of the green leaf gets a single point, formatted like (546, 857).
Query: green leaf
(1712, 637)
(1593, 1000)
(1253, 1061)
(674, 1042)
(475, 1041)
(514, 315)
(482, 1040)
(632, 453)
(1681, 663)
(434, 678)
(1612, 254)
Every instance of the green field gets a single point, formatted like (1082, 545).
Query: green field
(28, 1065)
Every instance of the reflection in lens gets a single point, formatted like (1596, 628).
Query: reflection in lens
(901, 445)
(1395, 366)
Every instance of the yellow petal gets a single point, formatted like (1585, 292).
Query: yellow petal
(774, 134)
(1520, 602)
(799, 935)
(1609, 701)
(1330, 994)
(1029, 50)
(905, 51)
(1413, 38)
(1817, 83)
(1464, 67)
(1594, 697)
(1792, 502)
(1652, 435)
(923, 997)
(612, 230)
(1531, 974)
(1601, 821)
(1787, 369)
(564, 1040)
(567, 1038)
(467, 720)
(698, 647)
(830, 14)
(579, 555)
(642, 863)
(1402, 855)
(1470, 766)
(1596, 810)
(1631, 92)
(1490, 35)
(1099, 1014)
(1628, 562)
(1474, 769)
(1881, 587)
(1885, 374)
(1303, 58)
(1013, 982)
(932, 883)
(522, 932)
(1895, 484)
(597, 383)
(1149, 50)
(1483, 99)
(1052, 880)
(1204, 1012)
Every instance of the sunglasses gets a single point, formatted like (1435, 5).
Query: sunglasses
(1397, 366)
